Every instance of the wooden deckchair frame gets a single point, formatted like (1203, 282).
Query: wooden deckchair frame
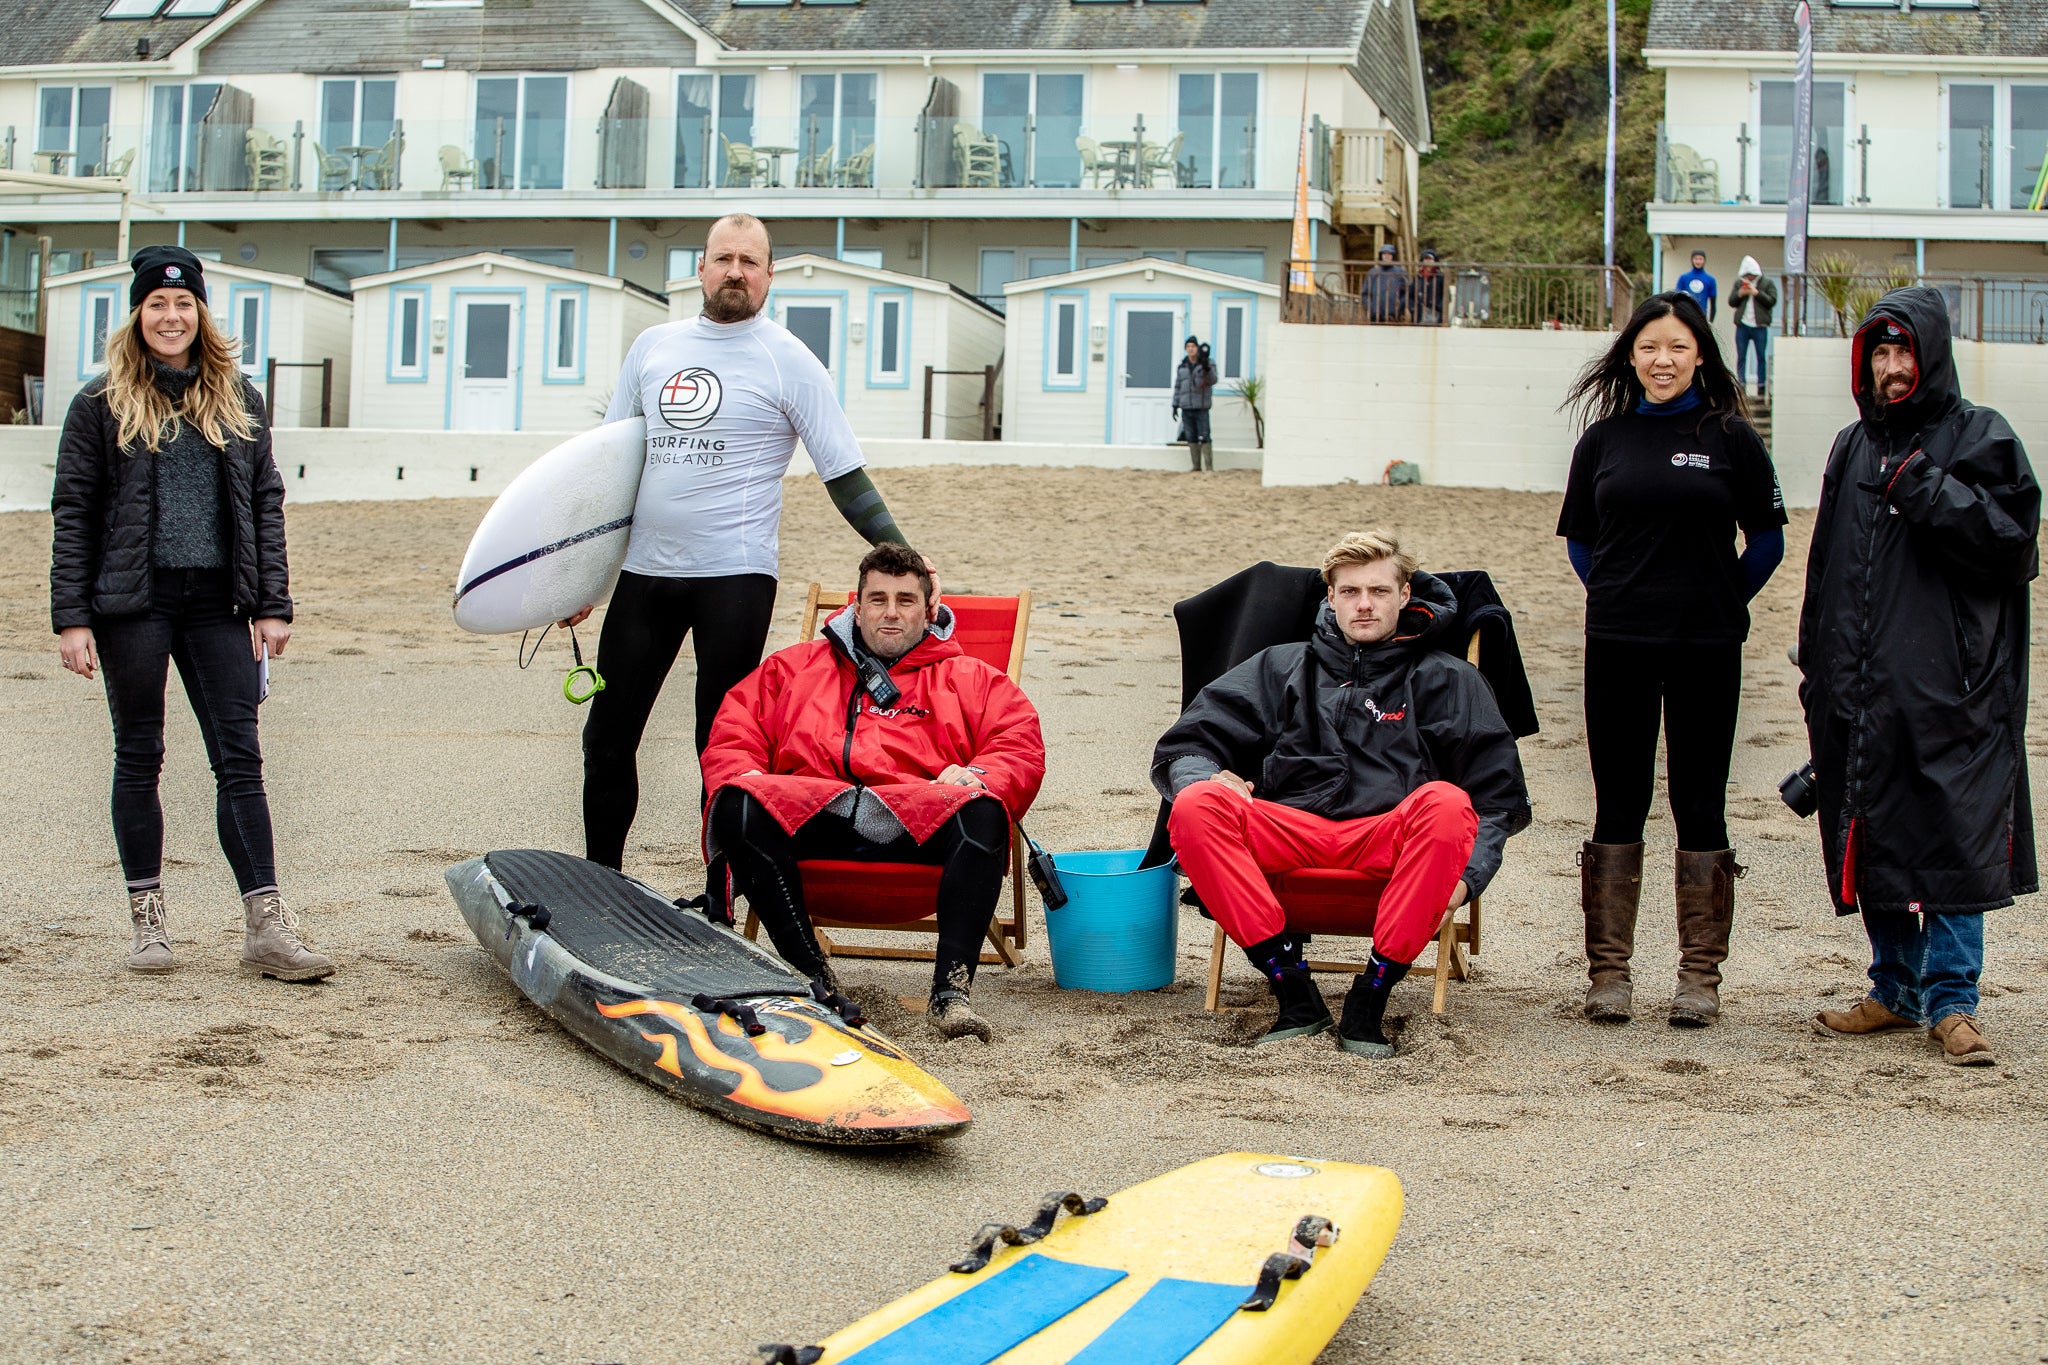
(1005, 935)
(1454, 940)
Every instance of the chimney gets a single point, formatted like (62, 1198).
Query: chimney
(142, 49)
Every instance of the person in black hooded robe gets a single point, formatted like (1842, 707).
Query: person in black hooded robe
(1913, 643)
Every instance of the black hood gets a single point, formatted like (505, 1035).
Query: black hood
(1922, 314)
(1425, 623)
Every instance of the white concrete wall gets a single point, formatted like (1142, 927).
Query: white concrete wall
(1811, 402)
(1473, 406)
(358, 464)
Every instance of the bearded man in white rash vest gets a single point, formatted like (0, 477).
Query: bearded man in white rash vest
(726, 395)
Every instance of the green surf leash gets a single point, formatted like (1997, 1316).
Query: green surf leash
(582, 682)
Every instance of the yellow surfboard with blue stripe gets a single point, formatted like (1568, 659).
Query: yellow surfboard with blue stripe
(1238, 1259)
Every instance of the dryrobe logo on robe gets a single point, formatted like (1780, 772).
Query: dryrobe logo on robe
(690, 398)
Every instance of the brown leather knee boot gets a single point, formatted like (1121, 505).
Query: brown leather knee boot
(1706, 913)
(1610, 889)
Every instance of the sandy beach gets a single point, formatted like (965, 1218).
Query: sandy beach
(410, 1163)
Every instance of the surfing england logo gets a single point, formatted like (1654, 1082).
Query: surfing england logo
(690, 398)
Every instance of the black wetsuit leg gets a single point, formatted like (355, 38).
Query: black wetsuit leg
(643, 632)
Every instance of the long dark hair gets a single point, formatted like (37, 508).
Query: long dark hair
(1608, 387)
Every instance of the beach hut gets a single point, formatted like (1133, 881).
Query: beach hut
(876, 332)
(1092, 353)
(492, 343)
(284, 318)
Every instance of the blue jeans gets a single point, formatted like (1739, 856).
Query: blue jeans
(1746, 337)
(1925, 967)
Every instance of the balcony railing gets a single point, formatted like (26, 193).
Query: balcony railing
(1462, 294)
(1368, 168)
(1859, 166)
(524, 151)
(2009, 308)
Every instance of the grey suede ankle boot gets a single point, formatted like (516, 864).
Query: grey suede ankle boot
(271, 945)
(152, 949)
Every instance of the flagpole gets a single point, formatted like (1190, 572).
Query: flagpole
(1613, 104)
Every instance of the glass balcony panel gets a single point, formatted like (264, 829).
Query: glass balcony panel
(1774, 143)
(1971, 130)
(2028, 175)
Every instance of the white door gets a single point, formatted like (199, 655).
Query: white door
(486, 380)
(814, 320)
(1147, 347)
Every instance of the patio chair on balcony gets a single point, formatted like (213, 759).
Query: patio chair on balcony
(1161, 158)
(858, 170)
(336, 172)
(119, 167)
(48, 163)
(269, 162)
(742, 165)
(1695, 179)
(978, 156)
(380, 168)
(1093, 166)
(456, 167)
(815, 170)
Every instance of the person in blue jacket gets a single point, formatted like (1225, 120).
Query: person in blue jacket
(1699, 285)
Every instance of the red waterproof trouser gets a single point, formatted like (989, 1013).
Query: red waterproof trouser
(1417, 851)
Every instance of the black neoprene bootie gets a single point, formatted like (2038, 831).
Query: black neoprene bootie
(1302, 1011)
(1365, 1008)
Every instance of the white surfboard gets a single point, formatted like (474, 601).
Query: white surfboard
(555, 539)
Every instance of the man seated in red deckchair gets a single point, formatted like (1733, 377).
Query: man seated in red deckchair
(1376, 752)
(880, 741)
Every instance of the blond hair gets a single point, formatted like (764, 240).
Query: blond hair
(1368, 547)
(215, 405)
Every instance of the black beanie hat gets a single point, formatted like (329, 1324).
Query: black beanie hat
(165, 267)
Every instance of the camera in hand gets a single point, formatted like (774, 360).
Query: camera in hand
(876, 680)
(1801, 791)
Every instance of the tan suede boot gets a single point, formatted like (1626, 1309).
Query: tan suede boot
(1706, 914)
(271, 944)
(152, 950)
(1610, 890)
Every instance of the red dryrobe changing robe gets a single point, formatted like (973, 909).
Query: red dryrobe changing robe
(796, 721)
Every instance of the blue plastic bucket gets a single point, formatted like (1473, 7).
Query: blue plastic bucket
(1120, 927)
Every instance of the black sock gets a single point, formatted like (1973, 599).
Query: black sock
(1272, 956)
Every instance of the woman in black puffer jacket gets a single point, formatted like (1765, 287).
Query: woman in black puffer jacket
(170, 546)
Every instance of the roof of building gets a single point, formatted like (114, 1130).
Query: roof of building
(42, 32)
(220, 270)
(499, 261)
(1215, 279)
(1994, 28)
(803, 261)
(920, 26)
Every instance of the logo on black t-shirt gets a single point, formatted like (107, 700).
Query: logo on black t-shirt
(690, 398)
(1684, 461)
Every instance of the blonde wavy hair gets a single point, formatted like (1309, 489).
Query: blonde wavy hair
(1368, 547)
(215, 405)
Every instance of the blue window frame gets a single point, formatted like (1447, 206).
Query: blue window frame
(889, 339)
(1066, 340)
(1232, 340)
(405, 354)
(99, 313)
(568, 326)
(248, 322)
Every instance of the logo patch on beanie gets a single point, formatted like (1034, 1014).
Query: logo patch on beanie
(1892, 329)
(172, 272)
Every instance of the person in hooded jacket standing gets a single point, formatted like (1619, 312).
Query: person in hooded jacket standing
(1194, 384)
(1913, 646)
(169, 546)
(1659, 485)
(1376, 752)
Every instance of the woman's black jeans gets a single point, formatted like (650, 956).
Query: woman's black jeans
(191, 619)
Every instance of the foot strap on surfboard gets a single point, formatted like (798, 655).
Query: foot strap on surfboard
(837, 1003)
(1311, 1232)
(535, 915)
(743, 1015)
(991, 1234)
(773, 1353)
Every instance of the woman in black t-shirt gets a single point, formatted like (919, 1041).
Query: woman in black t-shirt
(1660, 482)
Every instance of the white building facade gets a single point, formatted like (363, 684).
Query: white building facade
(1930, 137)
